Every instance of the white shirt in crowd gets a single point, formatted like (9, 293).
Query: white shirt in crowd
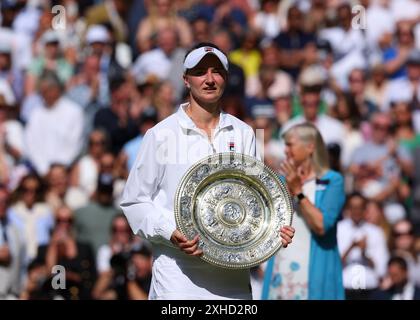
(356, 274)
(332, 130)
(54, 135)
(168, 150)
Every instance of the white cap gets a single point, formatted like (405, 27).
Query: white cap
(50, 36)
(195, 56)
(97, 33)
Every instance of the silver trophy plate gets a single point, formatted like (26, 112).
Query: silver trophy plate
(237, 206)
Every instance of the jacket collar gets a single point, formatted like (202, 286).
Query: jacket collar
(186, 122)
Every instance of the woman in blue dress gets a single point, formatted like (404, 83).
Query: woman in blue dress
(311, 268)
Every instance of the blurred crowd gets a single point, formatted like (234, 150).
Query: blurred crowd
(82, 81)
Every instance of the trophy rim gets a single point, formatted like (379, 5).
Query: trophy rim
(287, 216)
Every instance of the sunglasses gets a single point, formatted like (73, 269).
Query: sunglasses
(32, 190)
(377, 126)
(64, 220)
(397, 234)
(96, 142)
(120, 230)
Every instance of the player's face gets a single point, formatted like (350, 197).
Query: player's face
(207, 79)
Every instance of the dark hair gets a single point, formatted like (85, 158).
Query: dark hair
(115, 82)
(400, 261)
(51, 78)
(202, 44)
(17, 194)
(356, 194)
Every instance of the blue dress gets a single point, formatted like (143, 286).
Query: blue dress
(325, 269)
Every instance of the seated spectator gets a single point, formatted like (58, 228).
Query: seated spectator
(377, 165)
(331, 129)
(281, 83)
(129, 152)
(60, 192)
(164, 62)
(84, 174)
(92, 221)
(89, 89)
(399, 286)
(395, 57)
(54, 130)
(11, 143)
(12, 252)
(294, 43)
(51, 60)
(374, 214)
(10, 73)
(162, 14)
(113, 12)
(247, 56)
(140, 272)
(363, 250)
(76, 257)
(112, 260)
(31, 215)
(116, 120)
(403, 245)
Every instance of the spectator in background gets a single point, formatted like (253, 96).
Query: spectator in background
(84, 174)
(267, 143)
(404, 131)
(295, 44)
(54, 131)
(331, 129)
(31, 215)
(399, 286)
(11, 143)
(201, 30)
(20, 42)
(162, 15)
(363, 250)
(50, 59)
(111, 170)
(76, 257)
(112, 12)
(311, 268)
(60, 192)
(247, 56)
(376, 165)
(9, 72)
(112, 262)
(116, 120)
(349, 116)
(89, 89)
(357, 94)
(162, 62)
(374, 214)
(403, 245)
(377, 87)
(407, 88)
(395, 57)
(12, 252)
(92, 221)
(164, 99)
(260, 99)
(267, 22)
(281, 83)
(140, 272)
(129, 152)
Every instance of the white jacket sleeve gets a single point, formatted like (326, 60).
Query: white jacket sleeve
(144, 217)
